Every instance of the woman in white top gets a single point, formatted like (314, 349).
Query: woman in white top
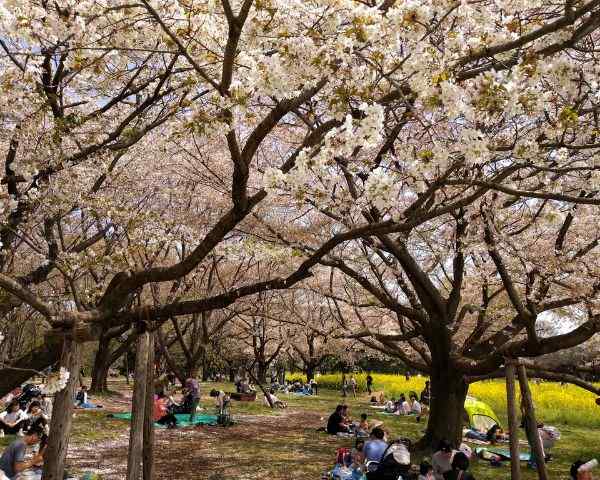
(13, 420)
(415, 406)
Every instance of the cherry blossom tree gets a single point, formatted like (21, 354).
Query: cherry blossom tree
(487, 156)
(456, 140)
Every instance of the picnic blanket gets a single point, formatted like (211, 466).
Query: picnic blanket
(182, 419)
(504, 453)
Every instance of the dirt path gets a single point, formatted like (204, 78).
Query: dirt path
(253, 448)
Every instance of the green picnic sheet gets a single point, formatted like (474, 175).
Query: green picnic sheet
(182, 419)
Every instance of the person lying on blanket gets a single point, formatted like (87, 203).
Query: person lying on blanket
(162, 414)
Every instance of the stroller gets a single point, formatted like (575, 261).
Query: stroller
(30, 391)
(394, 463)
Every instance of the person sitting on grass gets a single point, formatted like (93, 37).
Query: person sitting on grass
(336, 423)
(441, 460)
(358, 456)
(13, 420)
(82, 400)
(460, 467)
(162, 415)
(12, 461)
(363, 425)
(415, 406)
(375, 446)
(275, 402)
(36, 415)
(425, 471)
(495, 434)
(402, 406)
(390, 405)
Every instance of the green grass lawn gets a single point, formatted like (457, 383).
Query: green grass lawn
(275, 444)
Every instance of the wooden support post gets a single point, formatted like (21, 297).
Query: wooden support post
(513, 424)
(531, 424)
(136, 434)
(148, 453)
(62, 413)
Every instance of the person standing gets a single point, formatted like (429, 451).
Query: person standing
(353, 385)
(369, 384)
(192, 397)
(344, 385)
(426, 394)
(314, 386)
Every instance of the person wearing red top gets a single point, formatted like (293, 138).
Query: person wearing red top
(161, 411)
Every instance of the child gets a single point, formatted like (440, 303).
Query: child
(363, 425)
(358, 457)
(425, 471)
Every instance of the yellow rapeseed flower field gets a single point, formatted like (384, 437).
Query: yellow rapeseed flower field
(555, 404)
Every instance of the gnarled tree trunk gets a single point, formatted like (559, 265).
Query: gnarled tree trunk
(62, 414)
(447, 403)
(100, 368)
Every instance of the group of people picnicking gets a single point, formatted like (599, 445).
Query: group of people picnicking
(25, 416)
(377, 458)
(296, 386)
(369, 457)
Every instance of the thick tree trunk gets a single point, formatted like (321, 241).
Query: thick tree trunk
(261, 372)
(101, 367)
(136, 434)
(531, 424)
(447, 403)
(148, 454)
(62, 414)
(513, 424)
(310, 372)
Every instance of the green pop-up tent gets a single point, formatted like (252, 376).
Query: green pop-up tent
(479, 415)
